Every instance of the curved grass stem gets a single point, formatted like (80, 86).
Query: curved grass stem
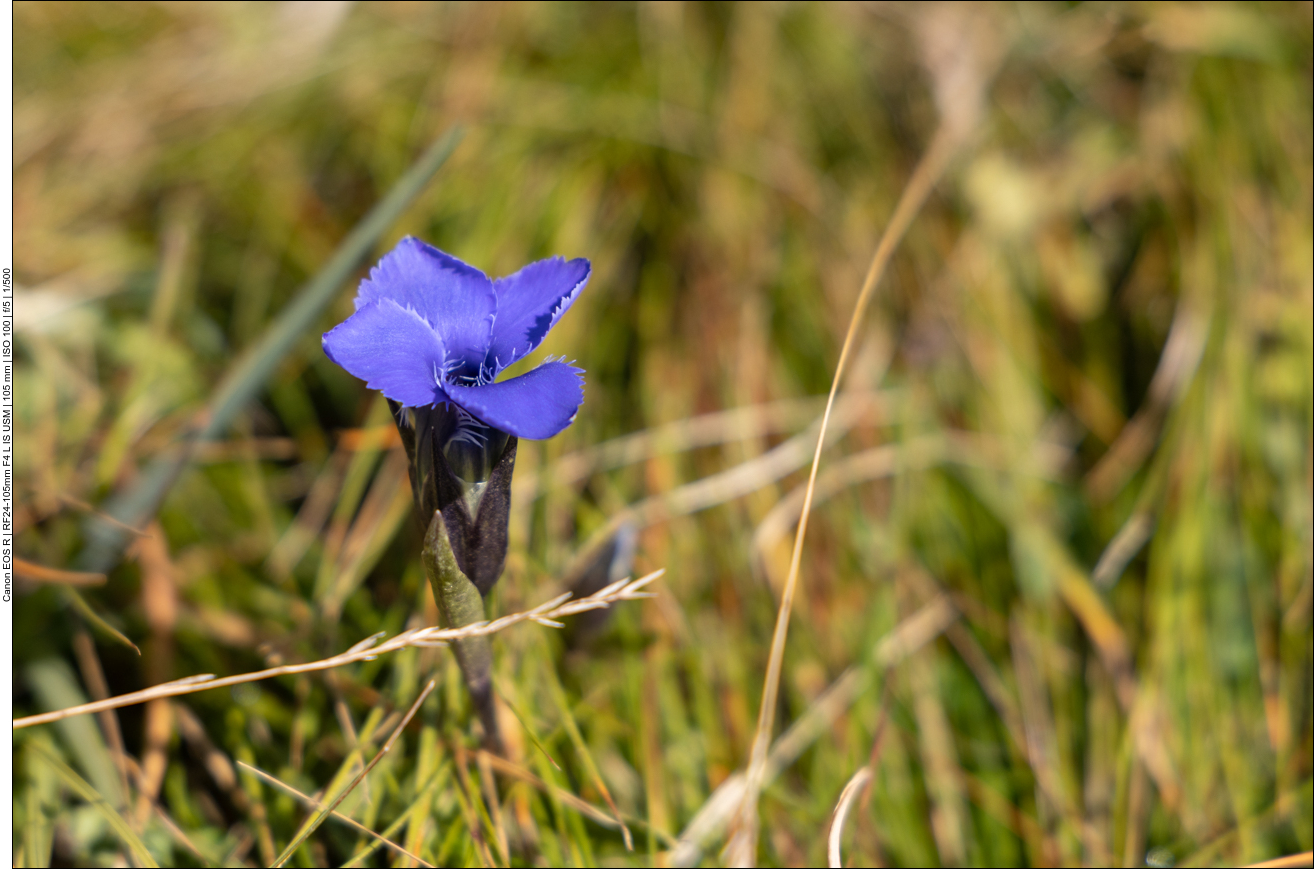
(742, 850)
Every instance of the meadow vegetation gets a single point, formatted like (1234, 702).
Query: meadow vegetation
(1055, 594)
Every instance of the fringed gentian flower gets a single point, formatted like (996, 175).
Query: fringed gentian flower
(432, 334)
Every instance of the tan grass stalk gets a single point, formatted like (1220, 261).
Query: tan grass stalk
(467, 795)
(722, 487)
(489, 787)
(578, 804)
(311, 518)
(325, 811)
(159, 600)
(1306, 859)
(1181, 356)
(720, 808)
(743, 847)
(315, 804)
(847, 796)
(83, 506)
(93, 675)
(383, 509)
(162, 814)
(545, 614)
(34, 572)
(749, 476)
(956, 447)
(401, 821)
(582, 750)
(710, 429)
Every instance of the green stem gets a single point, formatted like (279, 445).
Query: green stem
(460, 604)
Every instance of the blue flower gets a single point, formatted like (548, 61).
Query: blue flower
(429, 330)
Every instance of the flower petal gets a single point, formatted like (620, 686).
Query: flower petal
(530, 302)
(454, 298)
(535, 405)
(393, 350)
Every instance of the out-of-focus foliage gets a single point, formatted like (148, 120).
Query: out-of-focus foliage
(1081, 409)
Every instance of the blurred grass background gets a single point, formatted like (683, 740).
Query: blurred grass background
(1076, 437)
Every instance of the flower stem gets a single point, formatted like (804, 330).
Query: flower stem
(460, 604)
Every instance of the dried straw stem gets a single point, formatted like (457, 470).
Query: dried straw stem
(847, 796)
(742, 849)
(545, 614)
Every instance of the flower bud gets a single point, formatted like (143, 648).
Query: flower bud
(461, 468)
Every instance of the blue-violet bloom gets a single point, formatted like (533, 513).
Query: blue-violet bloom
(432, 333)
(429, 329)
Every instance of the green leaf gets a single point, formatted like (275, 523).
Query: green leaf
(56, 687)
(136, 505)
(83, 788)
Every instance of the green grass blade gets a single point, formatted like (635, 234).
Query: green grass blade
(83, 788)
(332, 803)
(79, 603)
(56, 687)
(439, 781)
(137, 504)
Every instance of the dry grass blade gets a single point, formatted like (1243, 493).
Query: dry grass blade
(742, 849)
(337, 816)
(325, 811)
(711, 819)
(159, 600)
(489, 787)
(176, 832)
(93, 676)
(79, 603)
(1181, 356)
(582, 750)
(396, 825)
(526, 729)
(578, 804)
(847, 796)
(467, 796)
(382, 512)
(1306, 859)
(911, 634)
(362, 651)
(958, 447)
(1139, 527)
(732, 483)
(1134, 534)
(314, 512)
(40, 573)
(849, 471)
(79, 504)
(750, 475)
(740, 423)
